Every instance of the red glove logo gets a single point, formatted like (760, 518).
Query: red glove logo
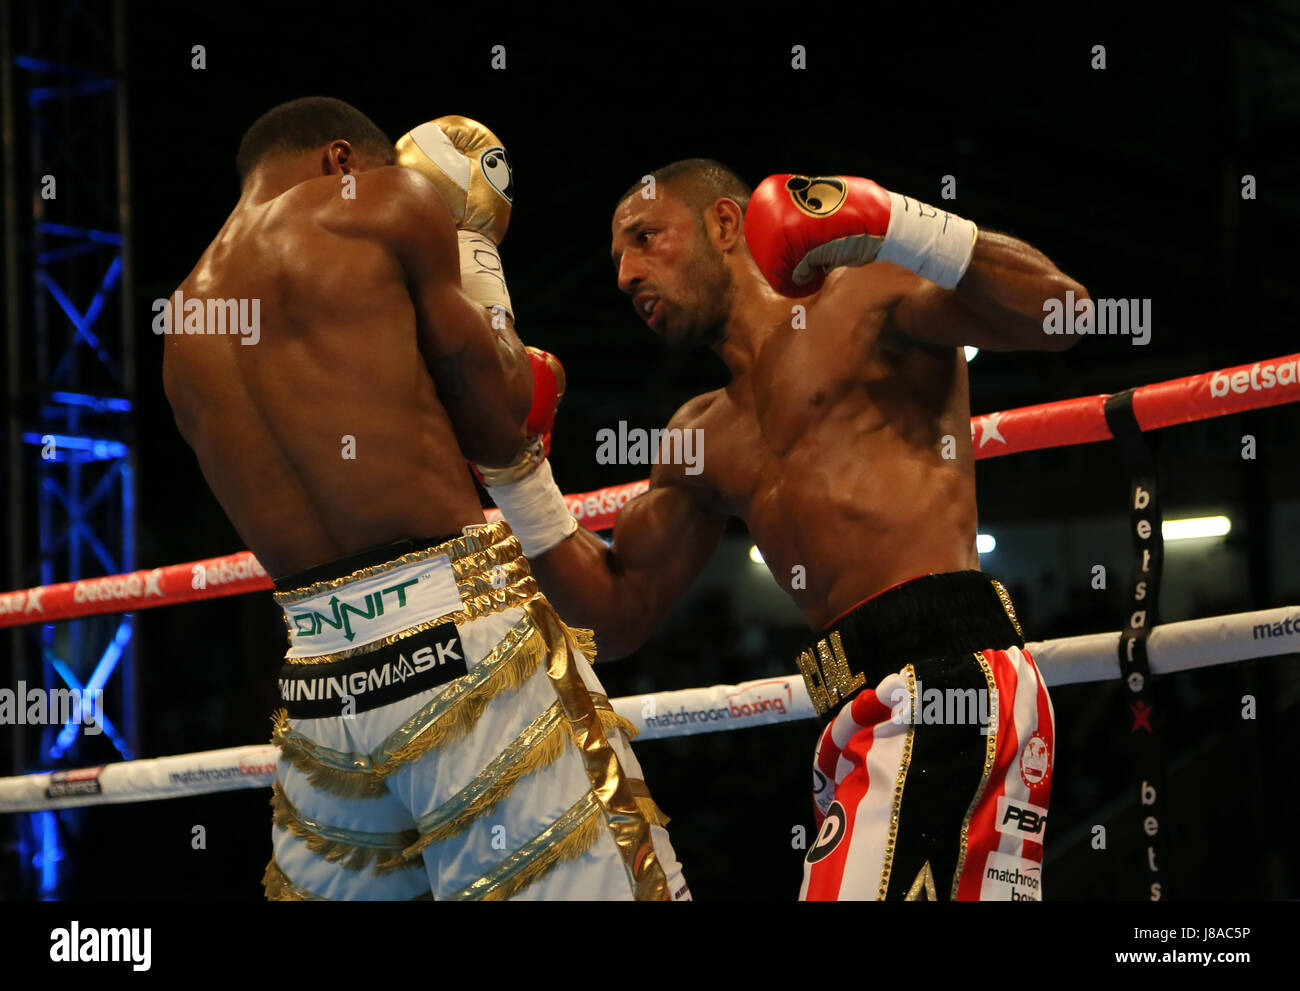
(818, 196)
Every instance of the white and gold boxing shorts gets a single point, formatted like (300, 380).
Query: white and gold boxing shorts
(444, 736)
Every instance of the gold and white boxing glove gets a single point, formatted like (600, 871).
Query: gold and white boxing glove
(472, 171)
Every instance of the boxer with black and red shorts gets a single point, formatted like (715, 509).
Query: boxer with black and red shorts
(935, 783)
(843, 441)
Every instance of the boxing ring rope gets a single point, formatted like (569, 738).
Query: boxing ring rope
(1029, 428)
(1172, 646)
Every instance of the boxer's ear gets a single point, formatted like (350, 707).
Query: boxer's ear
(339, 159)
(726, 223)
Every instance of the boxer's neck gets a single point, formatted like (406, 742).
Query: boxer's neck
(278, 174)
(757, 311)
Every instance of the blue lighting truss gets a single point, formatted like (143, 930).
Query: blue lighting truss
(71, 435)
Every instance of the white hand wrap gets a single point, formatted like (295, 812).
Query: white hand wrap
(535, 510)
(933, 243)
(481, 275)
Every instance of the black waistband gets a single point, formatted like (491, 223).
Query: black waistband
(344, 566)
(939, 615)
(387, 674)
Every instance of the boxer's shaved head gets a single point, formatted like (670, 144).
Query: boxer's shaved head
(697, 182)
(307, 123)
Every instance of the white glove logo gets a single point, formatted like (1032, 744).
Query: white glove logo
(495, 164)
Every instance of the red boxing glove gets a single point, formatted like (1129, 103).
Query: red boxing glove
(548, 390)
(790, 217)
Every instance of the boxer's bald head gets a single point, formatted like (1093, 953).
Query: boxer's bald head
(307, 124)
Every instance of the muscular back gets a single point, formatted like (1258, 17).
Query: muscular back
(337, 369)
(831, 449)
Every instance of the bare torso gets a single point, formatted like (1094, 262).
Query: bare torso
(337, 371)
(831, 449)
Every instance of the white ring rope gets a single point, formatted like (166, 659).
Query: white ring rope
(1171, 647)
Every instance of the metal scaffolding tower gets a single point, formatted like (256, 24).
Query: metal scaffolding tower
(70, 379)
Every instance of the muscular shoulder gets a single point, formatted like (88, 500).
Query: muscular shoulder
(391, 201)
(681, 454)
(693, 412)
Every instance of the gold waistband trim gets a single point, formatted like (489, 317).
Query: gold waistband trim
(448, 716)
(353, 849)
(484, 546)
(568, 838)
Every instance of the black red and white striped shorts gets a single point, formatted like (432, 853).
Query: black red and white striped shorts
(936, 784)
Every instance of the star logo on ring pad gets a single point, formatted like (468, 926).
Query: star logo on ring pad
(989, 425)
(1141, 717)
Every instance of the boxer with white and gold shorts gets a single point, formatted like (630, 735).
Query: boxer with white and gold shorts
(444, 736)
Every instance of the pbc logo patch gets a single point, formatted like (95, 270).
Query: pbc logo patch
(495, 164)
(818, 196)
(1021, 819)
(832, 831)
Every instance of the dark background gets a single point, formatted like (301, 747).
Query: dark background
(1128, 178)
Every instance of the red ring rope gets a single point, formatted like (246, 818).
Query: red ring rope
(1070, 421)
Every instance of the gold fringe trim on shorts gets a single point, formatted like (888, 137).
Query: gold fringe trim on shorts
(572, 835)
(351, 849)
(539, 745)
(626, 820)
(645, 804)
(449, 716)
(610, 719)
(331, 771)
(584, 638)
(278, 888)
(423, 734)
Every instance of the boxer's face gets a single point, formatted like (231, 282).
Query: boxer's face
(677, 279)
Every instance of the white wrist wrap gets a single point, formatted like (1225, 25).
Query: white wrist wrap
(481, 275)
(535, 510)
(933, 243)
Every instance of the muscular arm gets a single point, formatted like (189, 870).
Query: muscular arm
(662, 540)
(998, 304)
(481, 372)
